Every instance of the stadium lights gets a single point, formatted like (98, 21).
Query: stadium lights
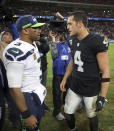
(50, 17)
(112, 19)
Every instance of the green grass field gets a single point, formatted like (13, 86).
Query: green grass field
(106, 117)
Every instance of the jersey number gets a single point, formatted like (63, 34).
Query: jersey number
(78, 61)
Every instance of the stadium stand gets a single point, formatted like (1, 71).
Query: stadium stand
(94, 9)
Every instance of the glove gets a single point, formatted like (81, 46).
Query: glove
(100, 103)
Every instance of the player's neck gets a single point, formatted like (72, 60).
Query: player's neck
(82, 34)
(26, 39)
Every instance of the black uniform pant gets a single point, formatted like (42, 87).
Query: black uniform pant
(58, 97)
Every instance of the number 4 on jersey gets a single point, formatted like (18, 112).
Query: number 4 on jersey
(78, 61)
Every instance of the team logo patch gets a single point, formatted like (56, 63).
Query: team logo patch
(34, 56)
(105, 41)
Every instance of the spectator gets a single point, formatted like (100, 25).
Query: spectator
(61, 57)
(13, 112)
(43, 48)
(6, 37)
(3, 92)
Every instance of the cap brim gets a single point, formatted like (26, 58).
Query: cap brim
(38, 25)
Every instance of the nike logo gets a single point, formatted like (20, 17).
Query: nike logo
(15, 51)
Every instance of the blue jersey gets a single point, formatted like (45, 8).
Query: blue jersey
(63, 59)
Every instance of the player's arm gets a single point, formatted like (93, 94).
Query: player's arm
(29, 120)
(19, 98)
(15, 75)
(103, 62)
(67, 74)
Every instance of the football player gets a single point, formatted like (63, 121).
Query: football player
(22, 62)
(89, 58)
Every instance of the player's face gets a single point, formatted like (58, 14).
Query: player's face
(35, 33)
(72, 26)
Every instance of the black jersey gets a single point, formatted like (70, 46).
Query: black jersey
(71, 40)
(85, 66)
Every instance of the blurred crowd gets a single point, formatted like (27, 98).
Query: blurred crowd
(105, 28)
(49, 10)
(102, 27)
(94, 1)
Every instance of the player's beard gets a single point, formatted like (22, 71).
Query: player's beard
(32, 38)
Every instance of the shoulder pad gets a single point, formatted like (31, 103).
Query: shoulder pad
(14, 52)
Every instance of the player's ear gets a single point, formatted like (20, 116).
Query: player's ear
(25, 31)
(80, 24)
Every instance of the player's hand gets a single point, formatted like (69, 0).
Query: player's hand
(100, 103)
(31, 122)
(62, 85)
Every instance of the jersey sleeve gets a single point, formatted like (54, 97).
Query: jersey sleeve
(14, 65)
(15, 74)
(101, 44)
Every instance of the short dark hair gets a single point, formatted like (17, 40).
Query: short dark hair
(80, 16)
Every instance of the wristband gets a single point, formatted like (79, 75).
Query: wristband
(25, 114)
(105, 79)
